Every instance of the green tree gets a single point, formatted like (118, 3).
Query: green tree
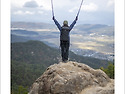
(19, 90)
(109, 70)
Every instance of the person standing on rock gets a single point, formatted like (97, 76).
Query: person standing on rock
(64, 37)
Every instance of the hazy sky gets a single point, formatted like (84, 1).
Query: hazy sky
(92, 11)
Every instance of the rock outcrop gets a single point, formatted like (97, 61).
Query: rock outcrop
(72, 78)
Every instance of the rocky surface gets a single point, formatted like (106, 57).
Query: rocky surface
(72, 78)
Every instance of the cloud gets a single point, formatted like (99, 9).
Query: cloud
(31, 4)
(73, 9)
(29, 12)
(90, 7)
(19, 12)
(40, 10)
(110, 3)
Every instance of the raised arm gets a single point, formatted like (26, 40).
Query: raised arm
(73, 23)
(57, 24)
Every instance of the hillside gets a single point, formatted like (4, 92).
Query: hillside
(91, 40)
(30, 59)
(35, 51)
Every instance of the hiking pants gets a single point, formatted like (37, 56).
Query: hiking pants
(64, 50)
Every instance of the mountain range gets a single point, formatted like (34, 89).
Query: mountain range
(91, 40)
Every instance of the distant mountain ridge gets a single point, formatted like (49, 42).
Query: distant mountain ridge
(91, 26)
(96, 28)
(31, 25)
(91, 40)
(15, 38)
(23, 32)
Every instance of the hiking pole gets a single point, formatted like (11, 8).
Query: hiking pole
(52, 8)
(79, 8)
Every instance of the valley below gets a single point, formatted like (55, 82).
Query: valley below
(90, 40)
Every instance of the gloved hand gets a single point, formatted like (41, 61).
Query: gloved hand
(76, 17)
(53, 18)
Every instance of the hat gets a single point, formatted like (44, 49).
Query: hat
(65, 22)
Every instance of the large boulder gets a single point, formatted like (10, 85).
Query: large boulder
(72, 78)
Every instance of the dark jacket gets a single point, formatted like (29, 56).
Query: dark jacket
(64, 30)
